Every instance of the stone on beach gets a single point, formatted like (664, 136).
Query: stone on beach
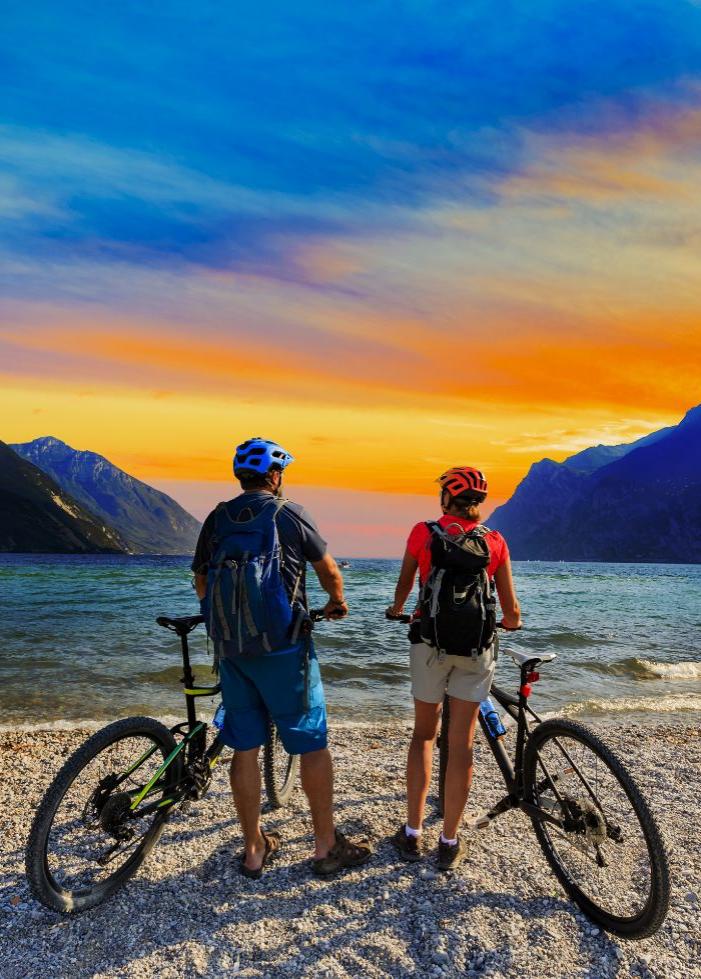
(189, 913)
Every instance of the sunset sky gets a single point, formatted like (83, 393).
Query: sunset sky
(393, 236)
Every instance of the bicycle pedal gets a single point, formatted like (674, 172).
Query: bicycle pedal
(481, 822)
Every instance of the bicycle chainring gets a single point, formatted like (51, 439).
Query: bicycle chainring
(201, 776)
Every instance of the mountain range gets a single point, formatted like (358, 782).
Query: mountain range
(638, 502)
(138, 518)
(37, 515)
(150, 522)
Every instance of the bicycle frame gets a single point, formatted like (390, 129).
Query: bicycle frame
(193, 735)
(518, 708)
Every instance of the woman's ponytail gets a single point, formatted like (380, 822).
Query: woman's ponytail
(466, 506)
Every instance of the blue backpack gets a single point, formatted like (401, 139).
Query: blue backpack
(247, 604)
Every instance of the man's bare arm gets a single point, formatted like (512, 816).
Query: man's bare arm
(507, 596)
(201, 585)
(331, 580)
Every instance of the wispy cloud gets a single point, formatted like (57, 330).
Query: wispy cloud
(474, 218)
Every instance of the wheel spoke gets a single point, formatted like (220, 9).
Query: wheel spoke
(91, 838)
(601, 847)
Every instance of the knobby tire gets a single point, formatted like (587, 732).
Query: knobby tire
(278, 787)
(43, 887)
(653, 913)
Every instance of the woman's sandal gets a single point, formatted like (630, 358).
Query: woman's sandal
(342, 854)
(272, 845)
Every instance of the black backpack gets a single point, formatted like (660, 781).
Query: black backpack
(458, 607)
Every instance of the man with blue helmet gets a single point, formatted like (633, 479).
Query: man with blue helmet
(284, 681)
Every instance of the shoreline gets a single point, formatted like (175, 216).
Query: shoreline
(604, 717)
(189, 912)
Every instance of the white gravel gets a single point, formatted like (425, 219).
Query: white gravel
(189, 913)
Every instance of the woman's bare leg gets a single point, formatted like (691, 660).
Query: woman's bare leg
(420, 760)
(461, 734)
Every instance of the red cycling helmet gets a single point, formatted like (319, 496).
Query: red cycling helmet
(463, 479)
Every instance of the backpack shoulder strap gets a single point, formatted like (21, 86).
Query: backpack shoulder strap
(220, 514)
(280, 504)
(481, 530)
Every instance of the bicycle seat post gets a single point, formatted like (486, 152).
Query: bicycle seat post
(188, 681)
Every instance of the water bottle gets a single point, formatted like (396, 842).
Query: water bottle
(491, 716)
(218, 719)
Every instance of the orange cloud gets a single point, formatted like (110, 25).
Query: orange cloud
(616, 164)
(528, 357)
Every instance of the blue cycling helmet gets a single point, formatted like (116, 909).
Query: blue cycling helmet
(260, 456)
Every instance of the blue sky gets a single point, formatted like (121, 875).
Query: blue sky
(270, 123)
(471, 229)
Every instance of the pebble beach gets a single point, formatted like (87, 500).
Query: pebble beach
(189, 912)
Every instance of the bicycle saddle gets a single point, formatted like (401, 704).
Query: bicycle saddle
(522, 658)
(182, 624)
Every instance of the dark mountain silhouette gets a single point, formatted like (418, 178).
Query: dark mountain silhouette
(640, 502)
(149, 521)
(38, 516)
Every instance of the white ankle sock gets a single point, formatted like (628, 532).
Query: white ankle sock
(448, 842)
(411, 832)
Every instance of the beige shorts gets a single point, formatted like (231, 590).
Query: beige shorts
(432, 675)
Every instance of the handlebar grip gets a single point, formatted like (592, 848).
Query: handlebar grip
(398, 618)
(318, 615)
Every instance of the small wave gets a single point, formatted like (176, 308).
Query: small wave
(673, 703)
(689, 670)
(644, 669)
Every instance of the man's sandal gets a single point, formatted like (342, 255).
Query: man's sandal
(272, 845)
(342, 854)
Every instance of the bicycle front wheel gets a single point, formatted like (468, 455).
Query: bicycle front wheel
(279, 769)
(607, 852)
(86, 839)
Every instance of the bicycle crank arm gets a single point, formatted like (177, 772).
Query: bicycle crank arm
(483, 821)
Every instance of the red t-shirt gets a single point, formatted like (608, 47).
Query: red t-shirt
(418, 544)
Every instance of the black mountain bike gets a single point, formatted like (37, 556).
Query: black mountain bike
(589, 816)
(107, 806)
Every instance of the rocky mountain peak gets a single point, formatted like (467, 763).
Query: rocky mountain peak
(150, 521)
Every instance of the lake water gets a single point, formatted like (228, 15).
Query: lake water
(79, 640)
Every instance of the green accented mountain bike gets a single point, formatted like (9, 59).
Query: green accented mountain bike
(589, 816)
(106, 809)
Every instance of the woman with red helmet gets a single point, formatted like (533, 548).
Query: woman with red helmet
(466, 679)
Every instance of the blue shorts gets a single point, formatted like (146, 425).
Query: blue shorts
(273, 685)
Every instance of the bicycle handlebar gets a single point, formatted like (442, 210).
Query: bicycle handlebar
(318, 615)
(407, 618)
(397, 618)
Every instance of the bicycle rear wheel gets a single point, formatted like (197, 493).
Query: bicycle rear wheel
(86, 841)
(279, 769)
(608, 854)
